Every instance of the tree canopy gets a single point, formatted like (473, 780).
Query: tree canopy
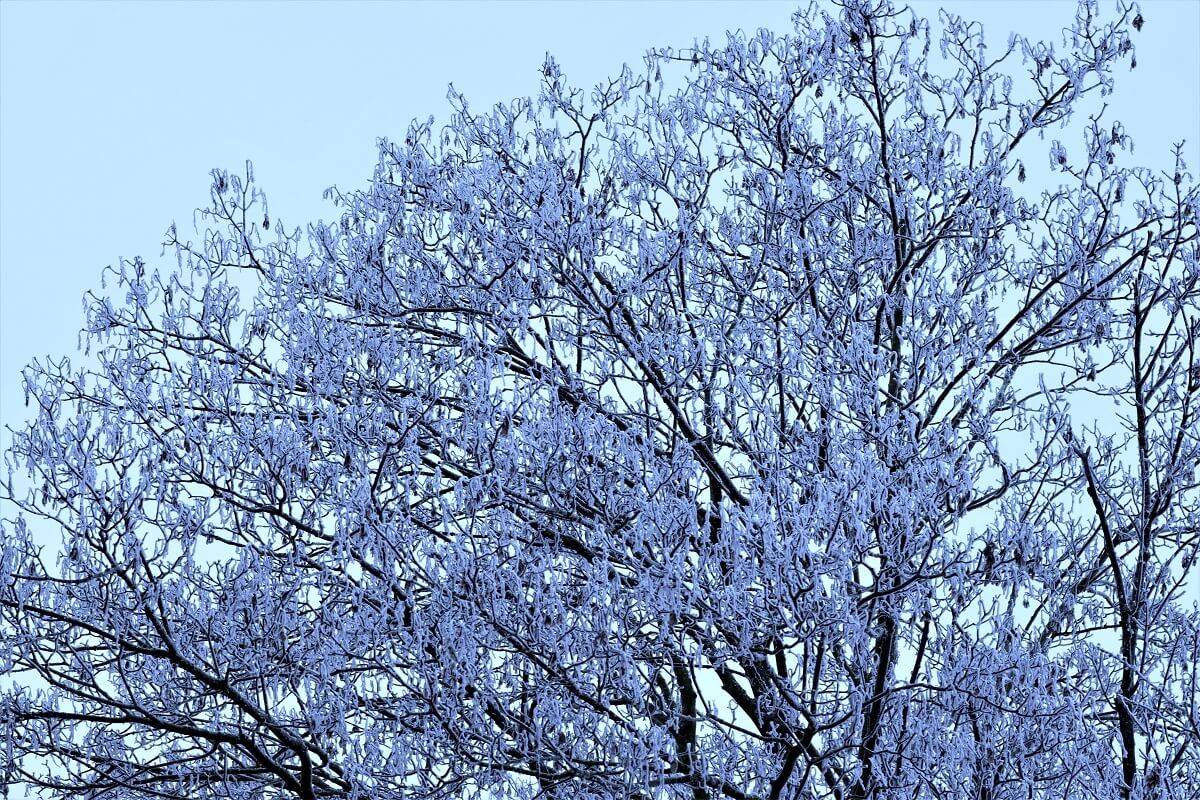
(796, 417)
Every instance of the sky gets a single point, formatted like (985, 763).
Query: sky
(112, 114)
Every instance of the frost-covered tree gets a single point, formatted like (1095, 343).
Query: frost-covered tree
(819, 428)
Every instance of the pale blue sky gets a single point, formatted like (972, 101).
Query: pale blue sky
(112, 114)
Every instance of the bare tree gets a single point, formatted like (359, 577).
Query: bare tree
(771, 437)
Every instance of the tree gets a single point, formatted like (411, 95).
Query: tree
(770, 437)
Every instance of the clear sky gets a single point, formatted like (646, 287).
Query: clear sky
(112, 114)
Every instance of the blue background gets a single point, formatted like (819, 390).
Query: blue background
(113, 114)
